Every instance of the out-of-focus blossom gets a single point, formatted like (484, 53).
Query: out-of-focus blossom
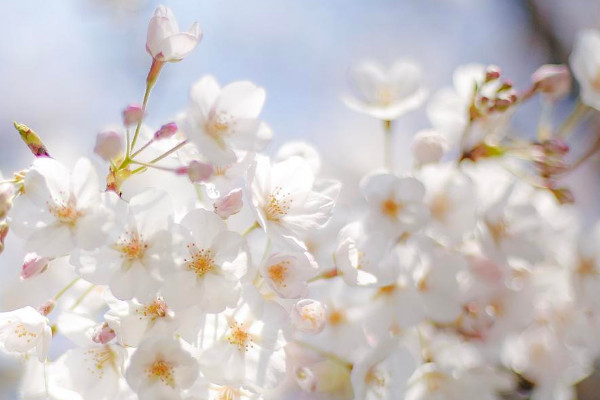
(133, 114)
(386, 94)
(585, 64)
(109, 145)
(308, 316)
(165, 42)
(199, 171)
(428, 147)
(166, 131)
(287, 273)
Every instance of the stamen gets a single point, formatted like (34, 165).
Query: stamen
(278, 273)
(156, 309)
(163, 371)
(278, 205)
(239, 337)
(132, 245)
(202, 261)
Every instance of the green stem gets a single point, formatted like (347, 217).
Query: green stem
(573, 119)
(66, 288)
(252, 227)
(144, 147)
(139, 124)
(82, 297)
(168, 153)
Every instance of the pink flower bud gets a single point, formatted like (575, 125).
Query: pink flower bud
(109, 145)
(308, 316)
(33, 265)
(103, 334)
(492, 73)
(166, 131)
(428, 147)
(552, 80)
(133, 114)
(199, 171)
(229, 204)
(47, 307)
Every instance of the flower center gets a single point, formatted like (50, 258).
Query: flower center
(439, 207)
(239, 337)
(375, 378)
(278, 205)
(390, 208)
(25, 334)
(216, 127)
(100, 357)
(156, 309)
(66, 213)
(595, 82)
(385, 96)
(336, 317)
(587, 267)
(163, 371)
(202, 261)
(498, 230)
(278, 273)
(132, 245)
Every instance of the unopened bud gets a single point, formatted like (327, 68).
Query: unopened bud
(199, 171)
(229, 204)
(133, 115)
(109, 145)
(166, 131)
(33, 265)
(492, 73)
(32, 140)
(47, 307)
(3, 233)
(428, 147)
(103, 334)
(552, 80)
(308, 316)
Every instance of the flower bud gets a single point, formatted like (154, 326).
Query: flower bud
(552, 80)
(47, 307)
(308, 316)
(199, 171)
(3, 233)
(103, 334)
(229, 204)
(492, 72)
(306, 379)
(32, 140)
(428, 147)
(33, 265)
(133, 115)
(109, 145)
(166, 131)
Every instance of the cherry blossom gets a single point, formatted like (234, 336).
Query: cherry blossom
(165, 42)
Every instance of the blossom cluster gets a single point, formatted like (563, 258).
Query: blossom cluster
(200, 268)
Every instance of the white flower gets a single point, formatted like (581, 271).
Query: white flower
(383, 373)
(287, 273)
(160, 369)
(138, 246)
(222, 120)
(165, 42)
(288, 200)
(23, 330)
(364, 256)
(386, 94)
(133, 321)
(249, 346)
(109, 145)
(585, 63)
(60, 210)
(214, 261)
(302, 150)
(395, 204)
(92, 372)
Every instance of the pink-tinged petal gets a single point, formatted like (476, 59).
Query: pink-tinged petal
(85, 184)
(51, 241)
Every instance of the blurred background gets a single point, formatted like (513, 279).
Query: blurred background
(68, 68)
